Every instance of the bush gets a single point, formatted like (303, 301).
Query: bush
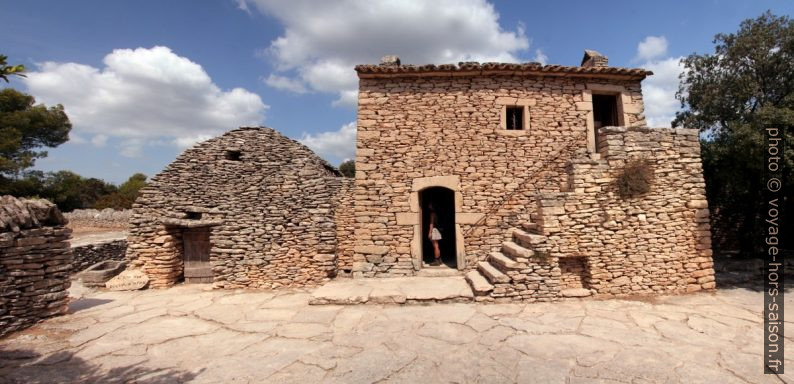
(348, 168)
(635, 178)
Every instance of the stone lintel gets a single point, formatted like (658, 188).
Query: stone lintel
(451, 182)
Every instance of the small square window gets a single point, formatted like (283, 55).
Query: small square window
(233, 155)
(191, 215)
(515, 118)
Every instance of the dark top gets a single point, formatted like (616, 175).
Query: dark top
(434, 219)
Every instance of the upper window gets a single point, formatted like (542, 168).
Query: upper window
(515, 118)
(605, 111)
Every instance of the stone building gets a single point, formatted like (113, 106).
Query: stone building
(519, 161)
(250, 208)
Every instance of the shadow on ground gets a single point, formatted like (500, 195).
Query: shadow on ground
(746, 273)
(85, 303)
(19, 366)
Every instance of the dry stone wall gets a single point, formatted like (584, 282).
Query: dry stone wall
(658, 242)
(106, 218)
(345, 221)
(90, 254)
(270, 204)
(35, 259)
(418, 128)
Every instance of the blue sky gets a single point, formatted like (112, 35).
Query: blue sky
(142, 80)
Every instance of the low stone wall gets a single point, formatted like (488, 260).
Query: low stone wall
(90, 254)
(35, 259)
(106, 218)
(658, 242)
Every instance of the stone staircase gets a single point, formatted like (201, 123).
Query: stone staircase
(494, 277)
(504, 275)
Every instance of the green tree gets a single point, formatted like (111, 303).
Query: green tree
(25, 128)
(747, 84)
(71, 191)
(126, 194)
(348, 168)
(8, 70)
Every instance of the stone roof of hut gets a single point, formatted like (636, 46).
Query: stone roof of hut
(258, 136)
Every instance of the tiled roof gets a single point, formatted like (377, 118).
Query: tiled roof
(475, 68)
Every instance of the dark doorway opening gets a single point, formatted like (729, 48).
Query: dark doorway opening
(196, 255)
(443, 202)
(605, 111)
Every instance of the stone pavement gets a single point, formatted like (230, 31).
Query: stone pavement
(188, 333)
(397, 290)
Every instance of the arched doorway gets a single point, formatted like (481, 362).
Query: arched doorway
(443, 202)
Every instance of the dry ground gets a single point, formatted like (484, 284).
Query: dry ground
(189, 333)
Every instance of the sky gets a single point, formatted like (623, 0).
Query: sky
(143, 80)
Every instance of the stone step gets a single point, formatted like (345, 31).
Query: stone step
(504, 263)
(575, 292)
(516, 251)
(526, 239)
(479, 284)
(436, 271)
(491, 273)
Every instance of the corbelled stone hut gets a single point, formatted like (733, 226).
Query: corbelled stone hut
(251, 208)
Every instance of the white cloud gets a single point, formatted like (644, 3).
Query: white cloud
(142, 96)
(99, 140)
(76, 139)
(540, 57)
(322, 41)
(336, 145)
(659, 91)
(285, 83)
(242, 5)
(653, 47)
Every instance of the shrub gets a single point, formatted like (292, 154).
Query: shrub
(635, 178)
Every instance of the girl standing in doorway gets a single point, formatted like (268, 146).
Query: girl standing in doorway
(434, 235)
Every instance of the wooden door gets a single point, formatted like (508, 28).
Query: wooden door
(196, 247)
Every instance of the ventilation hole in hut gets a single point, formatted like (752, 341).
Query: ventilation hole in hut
(193, 215)
(233, 155)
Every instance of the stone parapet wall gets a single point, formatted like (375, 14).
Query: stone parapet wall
(658, 242)
(90, 254)
(414, 130)
(106, 218)
(35, 259)
(269, 204)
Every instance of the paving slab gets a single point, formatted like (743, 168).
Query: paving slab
(394, 290)
(186, 334)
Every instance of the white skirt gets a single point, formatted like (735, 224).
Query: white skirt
(435, 235)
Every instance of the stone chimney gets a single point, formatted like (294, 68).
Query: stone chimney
(390, 61)
(594, 59)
